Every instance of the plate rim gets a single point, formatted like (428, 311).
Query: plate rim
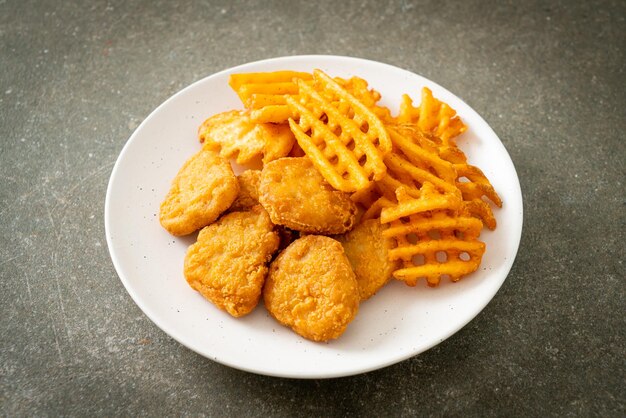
(173, 333)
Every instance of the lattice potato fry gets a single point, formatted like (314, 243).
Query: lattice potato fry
(271, 114)
(443, 162)
(358, 87)
(343, 138)
(422, 157)
(416, 136)
(474, 186)
(479, 209)
(432, 116)
(445, 150)
(415, 175)
(277, 82)
(434, 246)
(264, 93)
(408, 167)
(402, 191)
(429, 200)
(413, 165)
(477, 185)
(259, 101)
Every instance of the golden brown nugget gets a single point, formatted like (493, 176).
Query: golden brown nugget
(234, 135)
(248, 196)
(367, 250)
(296, 195)
(204, 187)
(311, 288)
(228, 263)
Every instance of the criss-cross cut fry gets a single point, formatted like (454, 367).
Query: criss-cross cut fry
(419, 163)
(429, 199)
(358, 87)
(343, 138)
(264, 93)
(432, 116)
(435, 245)
(409, 166)
(474, 185)
(445, 166)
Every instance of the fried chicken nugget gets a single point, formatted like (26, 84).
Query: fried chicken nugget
(228, 263)
(234, 135)
(296, 195)
(367, 249)
(311, 288)
(248, 196)
(204, 187)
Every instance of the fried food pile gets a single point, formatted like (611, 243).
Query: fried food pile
(348, 198)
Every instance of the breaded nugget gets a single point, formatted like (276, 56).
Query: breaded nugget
(228, 263)
(296, 195)
(312, 289)
(367, 249)
(234, 135)
(248, 196)
(204, 187)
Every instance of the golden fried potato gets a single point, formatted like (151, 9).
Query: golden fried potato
(203, 188)
(264, 93)
(234, 135)
(347, 145)
(248, 196)
(296, 195)
(228, 263)
(435, 245)
(311, 288)
(367, 250)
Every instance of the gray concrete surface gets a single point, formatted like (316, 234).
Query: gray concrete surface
(76, 78)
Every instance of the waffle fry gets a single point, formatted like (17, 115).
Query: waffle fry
(477, 185)
(233, 134)
(264, 93)
(479, 209)
(435, 245)
(428, 158)
(474, 185)
(343, 138)
(429, 200)
(409, 166)
(432, 116)
(358, 87)
(419, 163)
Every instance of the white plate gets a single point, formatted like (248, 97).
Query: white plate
(397, 323)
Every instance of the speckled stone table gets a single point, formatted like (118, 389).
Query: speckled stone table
(78, 77)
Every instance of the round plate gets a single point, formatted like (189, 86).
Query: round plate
(395, 324)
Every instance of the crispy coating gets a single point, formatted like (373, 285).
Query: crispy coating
(367, 250)
(204, 187)
(312, 289)
(228, 263)
(234, 135)
(248, 190)
(296, 195)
